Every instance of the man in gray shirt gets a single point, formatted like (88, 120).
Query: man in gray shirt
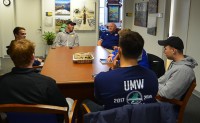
(175, 82)
(68, 37)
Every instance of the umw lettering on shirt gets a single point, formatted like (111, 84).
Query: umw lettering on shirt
(133, 84)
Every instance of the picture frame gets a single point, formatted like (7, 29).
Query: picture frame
(141, 14)
(84, 14)
(113, 13)
(113, 1)
(62, 7)
(152, 18)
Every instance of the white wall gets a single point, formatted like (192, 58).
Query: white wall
(128, 8)
(7, 24)
(151, 45)
(48, 6)
(86, 38)
(193, 40)
(181, 19)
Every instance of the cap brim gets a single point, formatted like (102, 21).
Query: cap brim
(72, 23)
(162, 42)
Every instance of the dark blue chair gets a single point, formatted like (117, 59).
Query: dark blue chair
(139, 113)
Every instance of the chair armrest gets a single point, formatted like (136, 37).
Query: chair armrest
(173, 101)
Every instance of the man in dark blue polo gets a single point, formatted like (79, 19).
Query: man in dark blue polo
(110, 38)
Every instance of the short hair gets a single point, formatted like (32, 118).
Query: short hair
(123, 31)
(21, 52)
(16, 30)
(131, 44)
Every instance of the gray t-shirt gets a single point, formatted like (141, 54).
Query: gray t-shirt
(66, 39)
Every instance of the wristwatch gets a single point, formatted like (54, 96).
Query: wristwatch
(6, 2)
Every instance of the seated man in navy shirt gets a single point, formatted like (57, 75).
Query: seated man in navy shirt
(128, 84)
(110, 38)
(23, 85)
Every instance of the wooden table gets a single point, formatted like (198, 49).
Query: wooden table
(74, 80)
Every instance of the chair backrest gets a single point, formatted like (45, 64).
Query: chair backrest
(32, 113)
(156, 64)
(141, 113)
(181, 103)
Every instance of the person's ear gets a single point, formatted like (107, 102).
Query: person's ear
(120, 51)
(33, 57)
(174, 50)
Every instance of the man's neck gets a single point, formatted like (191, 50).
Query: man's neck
(112, 32)
(29, 66)
(128, 62)
(178, 57)
(67, 31)
(17, 39)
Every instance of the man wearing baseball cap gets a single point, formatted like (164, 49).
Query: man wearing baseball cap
(175, 82)
(68, 37)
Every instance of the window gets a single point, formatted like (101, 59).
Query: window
(102, 12)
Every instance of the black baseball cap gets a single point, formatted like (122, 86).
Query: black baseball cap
(70, 22)
(172, 41)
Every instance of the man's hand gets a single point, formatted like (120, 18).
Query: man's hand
(38, 59)
(115, 47)
(116, 62)
(99, 42)
(110, 56)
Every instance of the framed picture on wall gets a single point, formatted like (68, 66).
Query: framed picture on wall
(84, 14)
(62, 7)
(152, 18)
(141, 14)
(113, 13)
(113, 1)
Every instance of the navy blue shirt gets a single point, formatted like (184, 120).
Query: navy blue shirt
(142, 62)
(109, 39)
(23, 85)
(127, 85)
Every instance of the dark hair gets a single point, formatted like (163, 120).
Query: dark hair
(16, 30)
(131, 44)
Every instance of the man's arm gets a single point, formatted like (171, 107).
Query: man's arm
(55, 97)
(176, 85)
(57, 40)
(76, 42)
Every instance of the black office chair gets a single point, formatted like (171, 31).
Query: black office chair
(156, 64)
